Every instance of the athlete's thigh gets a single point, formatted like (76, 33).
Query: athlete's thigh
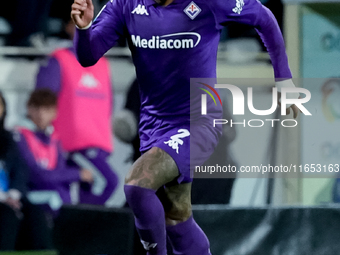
(176, 200)
(152, 170)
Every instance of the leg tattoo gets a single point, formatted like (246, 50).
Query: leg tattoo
(185, 236)
(150, 172)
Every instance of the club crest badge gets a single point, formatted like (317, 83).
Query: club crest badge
(192, 10)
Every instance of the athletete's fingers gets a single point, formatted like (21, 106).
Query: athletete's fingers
(75, 15)
(89, 2)
(76, 6)
(295, 111)
(76, 9)
(75, 12)
(81, 8)
(80, 2)
(82, 12)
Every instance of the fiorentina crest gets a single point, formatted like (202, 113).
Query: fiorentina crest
(192, 10)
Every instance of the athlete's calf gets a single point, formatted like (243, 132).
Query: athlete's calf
(151, 171)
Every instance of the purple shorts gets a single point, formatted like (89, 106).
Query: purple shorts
(189, 144)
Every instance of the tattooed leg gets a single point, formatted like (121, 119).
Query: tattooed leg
(176, 200)
(185, 236)
(150, 172)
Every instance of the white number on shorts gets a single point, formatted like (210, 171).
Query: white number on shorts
(176, 140)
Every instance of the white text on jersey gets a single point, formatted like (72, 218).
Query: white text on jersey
(184, 41)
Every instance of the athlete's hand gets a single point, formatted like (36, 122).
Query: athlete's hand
(82, 12)
(293, 107)
(288, 84)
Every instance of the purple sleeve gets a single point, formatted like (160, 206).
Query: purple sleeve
(270, 33)
(91, 44)
(252, 12)
(46, 179)
(49, 75)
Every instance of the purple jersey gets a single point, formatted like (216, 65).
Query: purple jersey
(172, 44)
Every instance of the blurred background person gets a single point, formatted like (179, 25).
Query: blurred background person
(22, 225)
(49, 175)
(83, 123)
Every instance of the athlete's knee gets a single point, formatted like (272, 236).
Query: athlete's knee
(152, 170)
